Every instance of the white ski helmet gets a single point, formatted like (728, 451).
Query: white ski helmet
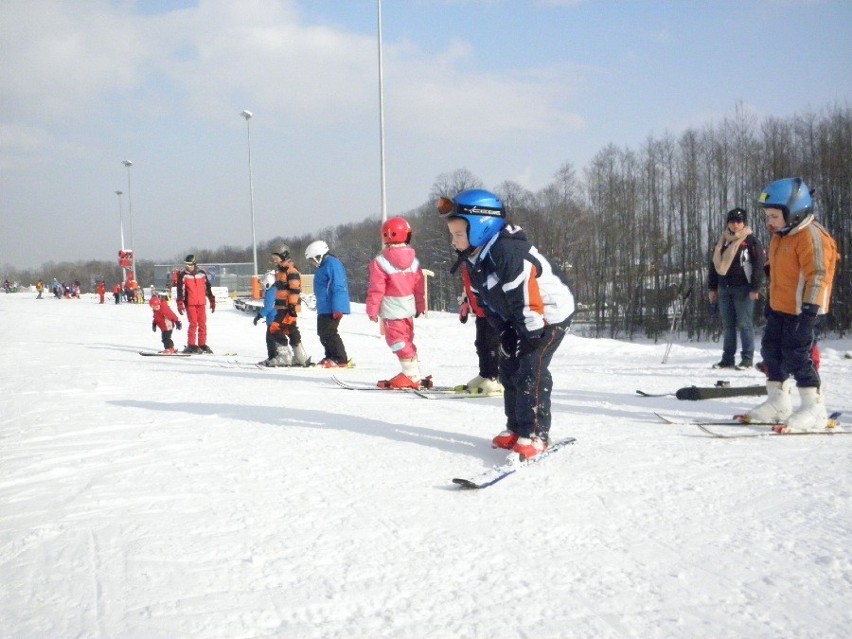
(268, 280)
(316, 250)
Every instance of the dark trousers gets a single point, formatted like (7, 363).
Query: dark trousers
(330, 338)
(287, 334)
(167, 340)
(487, 345)
(527, 382)
(787, 346)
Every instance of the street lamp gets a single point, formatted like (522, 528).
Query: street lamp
(128, 164)
(120, 217)
(247, 115)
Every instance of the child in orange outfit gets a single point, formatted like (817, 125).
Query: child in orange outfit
(164, 319)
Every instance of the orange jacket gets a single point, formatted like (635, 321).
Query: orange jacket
(801, 268)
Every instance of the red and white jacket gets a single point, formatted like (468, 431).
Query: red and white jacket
(397, 288)
(193, 288)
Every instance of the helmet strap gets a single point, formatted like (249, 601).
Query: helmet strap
(463, 255)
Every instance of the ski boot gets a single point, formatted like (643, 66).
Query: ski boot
(777, 407)
(528, 447)
(811, 416)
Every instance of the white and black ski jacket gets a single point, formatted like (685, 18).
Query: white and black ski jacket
(518, 287)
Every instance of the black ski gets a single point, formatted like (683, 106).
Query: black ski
(156, 354)
(695, 393)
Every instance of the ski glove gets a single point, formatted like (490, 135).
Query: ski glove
(181, 306)
(464, 311)
(178, 325)
(274, 327)
(256, 319)
(337, 315)
(212, 304)
(154, 326)
(374, 318)
(810, 309)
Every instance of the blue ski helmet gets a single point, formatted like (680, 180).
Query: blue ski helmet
(482, 210)
(792, 196)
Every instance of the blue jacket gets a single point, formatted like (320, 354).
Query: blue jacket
(330, 287)
(268, 310)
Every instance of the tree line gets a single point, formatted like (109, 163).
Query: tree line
(634, 233)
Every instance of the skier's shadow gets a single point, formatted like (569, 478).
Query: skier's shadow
(476, 447)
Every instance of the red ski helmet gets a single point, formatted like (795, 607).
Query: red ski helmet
(396, 231)
(154, 303)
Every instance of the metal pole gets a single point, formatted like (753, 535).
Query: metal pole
(128, 164)
(121, 217)
(247, 115)
(382, 120)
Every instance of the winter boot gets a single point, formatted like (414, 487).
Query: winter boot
(811, 414)
(191, 350)
(777, 406)
(473, 385)
(506, 439)
(283, 358)
(488, 386)
(206, 349)
(529, 447)
(300, 357)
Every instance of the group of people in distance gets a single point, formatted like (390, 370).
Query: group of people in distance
(523, 304)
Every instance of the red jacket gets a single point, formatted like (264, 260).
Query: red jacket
(397, 286)
(165, 317)
(193, 288)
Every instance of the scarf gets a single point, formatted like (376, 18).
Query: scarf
(726, 249)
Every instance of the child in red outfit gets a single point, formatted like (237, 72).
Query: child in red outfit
(164, 319)
(397, 295)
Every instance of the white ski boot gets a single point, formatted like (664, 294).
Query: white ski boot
(484, 386)
(284, 357)
(777, 407)
(300, 357)
(811, 415)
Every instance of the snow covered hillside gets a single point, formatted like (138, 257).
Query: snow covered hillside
(203, 497)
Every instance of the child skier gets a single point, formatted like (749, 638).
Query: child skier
(397, 295)
(526, 299)
(164, 319)
(277, 354)
(288, 296)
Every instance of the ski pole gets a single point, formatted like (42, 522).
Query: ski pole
(676, 319)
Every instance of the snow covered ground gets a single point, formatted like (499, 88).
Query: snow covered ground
(199, 497)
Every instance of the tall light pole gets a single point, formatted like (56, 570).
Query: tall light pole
(128, 164)
(121, 217)
(382, 120)
(247, 115)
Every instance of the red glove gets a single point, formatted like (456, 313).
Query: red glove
(374, 318)
(337, 315)
(181, 306)
(274, 327)
(212, 304)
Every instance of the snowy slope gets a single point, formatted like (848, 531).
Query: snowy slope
(199, 497)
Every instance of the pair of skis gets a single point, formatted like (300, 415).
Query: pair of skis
(752, 429)
(435, 392)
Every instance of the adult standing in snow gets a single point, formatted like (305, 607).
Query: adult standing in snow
(802, 258)
(734, 280)
(193, 292)
(529, 303)
(396, 295)
(288, 296)
(331, 290)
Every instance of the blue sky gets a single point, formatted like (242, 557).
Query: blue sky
(506, 89)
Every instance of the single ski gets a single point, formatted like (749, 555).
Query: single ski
(830, 429)
(735, 421)
(644, 394)
(430, 393)
(697, 393)
(493, 475)
(158, 354)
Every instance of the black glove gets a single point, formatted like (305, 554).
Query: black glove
(154, 326)
(178, 325)
(810, 309)
(256, 319)
(529, 344)
(508, 343)
(291, 311)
